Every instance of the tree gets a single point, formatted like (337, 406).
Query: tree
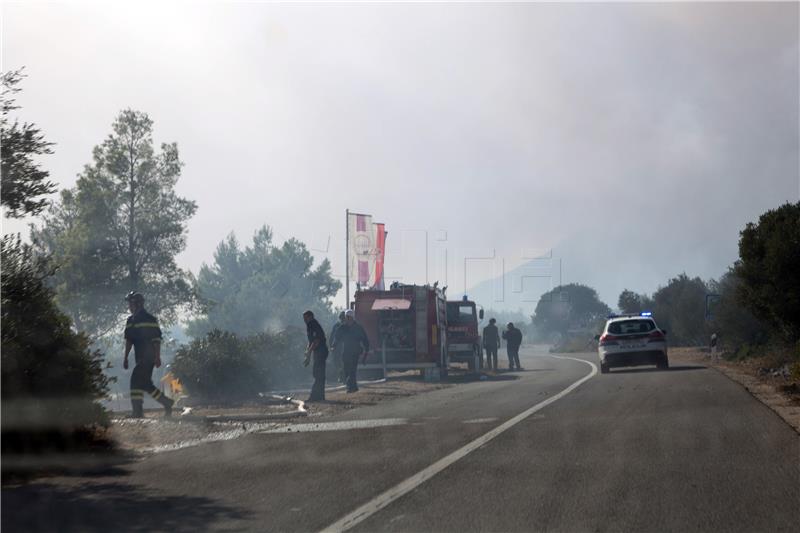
(572, 306)
(631, 302)
(679, 307)
(261, 287)
(51, 379)
(23, 181)
(768, 266)
(120, 229)
(731, 319)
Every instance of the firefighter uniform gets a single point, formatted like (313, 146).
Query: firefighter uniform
(316, 335)
(143, 332)
(491, 342)
(336, 351)
(353, 341)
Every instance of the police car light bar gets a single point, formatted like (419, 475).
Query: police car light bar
(625, 315)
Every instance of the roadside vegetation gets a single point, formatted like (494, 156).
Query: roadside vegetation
(225, 368)
(51, 377)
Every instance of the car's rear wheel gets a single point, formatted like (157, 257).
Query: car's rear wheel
(604, 368)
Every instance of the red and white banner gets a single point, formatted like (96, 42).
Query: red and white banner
(366, 250)
(380, 248)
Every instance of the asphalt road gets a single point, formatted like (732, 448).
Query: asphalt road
(638, 450)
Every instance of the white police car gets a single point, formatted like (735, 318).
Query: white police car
(632, 340)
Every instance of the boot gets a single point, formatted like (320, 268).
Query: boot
(167, 402)
(138, 408)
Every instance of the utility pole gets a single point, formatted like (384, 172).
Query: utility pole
(347, 259)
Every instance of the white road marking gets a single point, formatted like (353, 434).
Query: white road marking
(376, 504)
(339, 426)
(480, 420)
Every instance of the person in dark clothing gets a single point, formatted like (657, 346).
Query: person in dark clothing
(491, 342)
(143, 334)
(318, 347)
(338, 365)
(513, 337)
(352, 340)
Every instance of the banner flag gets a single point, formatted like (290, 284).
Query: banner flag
(361, 247)
(380, 252)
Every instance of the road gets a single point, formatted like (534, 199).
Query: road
(638, 450)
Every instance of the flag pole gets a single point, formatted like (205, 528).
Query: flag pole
(347, 259)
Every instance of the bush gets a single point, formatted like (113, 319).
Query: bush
(223, 367)
(51, 379)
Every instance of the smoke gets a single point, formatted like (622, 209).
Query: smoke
(638, 137)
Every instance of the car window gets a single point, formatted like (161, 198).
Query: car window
(627, 327)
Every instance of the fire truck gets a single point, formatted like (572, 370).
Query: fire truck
(406, 326)
(463, 337)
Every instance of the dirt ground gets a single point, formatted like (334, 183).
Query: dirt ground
(209, 423)
(778, 392)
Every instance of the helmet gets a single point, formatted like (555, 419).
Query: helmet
(349, 313)
(135, 297)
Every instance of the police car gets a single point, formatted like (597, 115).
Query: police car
(632, 340)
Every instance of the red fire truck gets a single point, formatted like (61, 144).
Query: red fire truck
(406, 326)
(463, 337)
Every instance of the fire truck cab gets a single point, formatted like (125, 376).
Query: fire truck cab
(463, 336)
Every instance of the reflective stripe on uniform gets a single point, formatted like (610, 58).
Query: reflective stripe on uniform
(142, 325)
(156, 394)
(137, 394)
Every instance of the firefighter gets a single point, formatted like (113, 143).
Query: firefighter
(318, 347)
(352, 340)
(491, 342)
(337, 352)
(513, 337)
(144, 336)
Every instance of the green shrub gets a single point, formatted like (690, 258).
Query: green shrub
(223, 367)
(51, 378)
(768, 266)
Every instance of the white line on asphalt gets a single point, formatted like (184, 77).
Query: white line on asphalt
(404, 487)
(339, 426)
(480, 420)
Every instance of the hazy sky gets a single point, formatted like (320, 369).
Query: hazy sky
(635, 140)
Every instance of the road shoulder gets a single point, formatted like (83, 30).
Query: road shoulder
(766, 388)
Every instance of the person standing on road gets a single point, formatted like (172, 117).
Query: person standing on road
(337, 352)
(513, 337)
(318, 347)
(144, 336)
(352, 340)
(491, 342)
(713, 346)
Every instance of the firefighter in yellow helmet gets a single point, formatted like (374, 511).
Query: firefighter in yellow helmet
(144, 336)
